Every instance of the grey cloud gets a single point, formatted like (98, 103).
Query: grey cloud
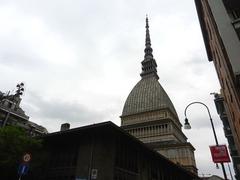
(197, 64)
(20, 60)
(60, 110)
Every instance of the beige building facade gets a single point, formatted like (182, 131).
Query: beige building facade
(150, 116)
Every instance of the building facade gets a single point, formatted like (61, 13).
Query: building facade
(220, 106)
(220, 25)
(150, 116)
(104, 151)
(11, 114)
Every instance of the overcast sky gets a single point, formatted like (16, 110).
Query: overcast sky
(80, 60)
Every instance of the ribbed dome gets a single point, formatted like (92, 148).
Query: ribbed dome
(147, 95)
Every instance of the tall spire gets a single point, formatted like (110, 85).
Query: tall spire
(148, 50)
(149, 65)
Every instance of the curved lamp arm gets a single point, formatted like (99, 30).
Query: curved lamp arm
(187, 124)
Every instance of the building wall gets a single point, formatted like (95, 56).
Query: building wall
(219, 102)
(149, 116)
(228, 34)
(115, 154)
(143, 166)
(96, 153)
(223, 49)
(182, 155)
(161, 131)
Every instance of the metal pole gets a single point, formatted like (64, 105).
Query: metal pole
(230, 171)
(213, 129)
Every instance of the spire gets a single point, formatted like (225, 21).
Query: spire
(149, 65)
(148, 50)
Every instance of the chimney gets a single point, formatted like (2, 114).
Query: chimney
(65, 126)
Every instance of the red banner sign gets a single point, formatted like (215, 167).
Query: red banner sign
(219, 154)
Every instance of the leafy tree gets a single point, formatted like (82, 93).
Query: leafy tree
(14, 142)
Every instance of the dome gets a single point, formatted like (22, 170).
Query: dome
(147, 95)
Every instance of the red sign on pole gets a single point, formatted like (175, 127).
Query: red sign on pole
(26, 157)
(219, 154)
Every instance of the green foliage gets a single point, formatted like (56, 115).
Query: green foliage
(14, 142)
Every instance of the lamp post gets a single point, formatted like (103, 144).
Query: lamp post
(187, 126)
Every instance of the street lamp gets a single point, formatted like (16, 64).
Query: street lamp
(187, 126)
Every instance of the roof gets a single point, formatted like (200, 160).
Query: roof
(147, 95)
